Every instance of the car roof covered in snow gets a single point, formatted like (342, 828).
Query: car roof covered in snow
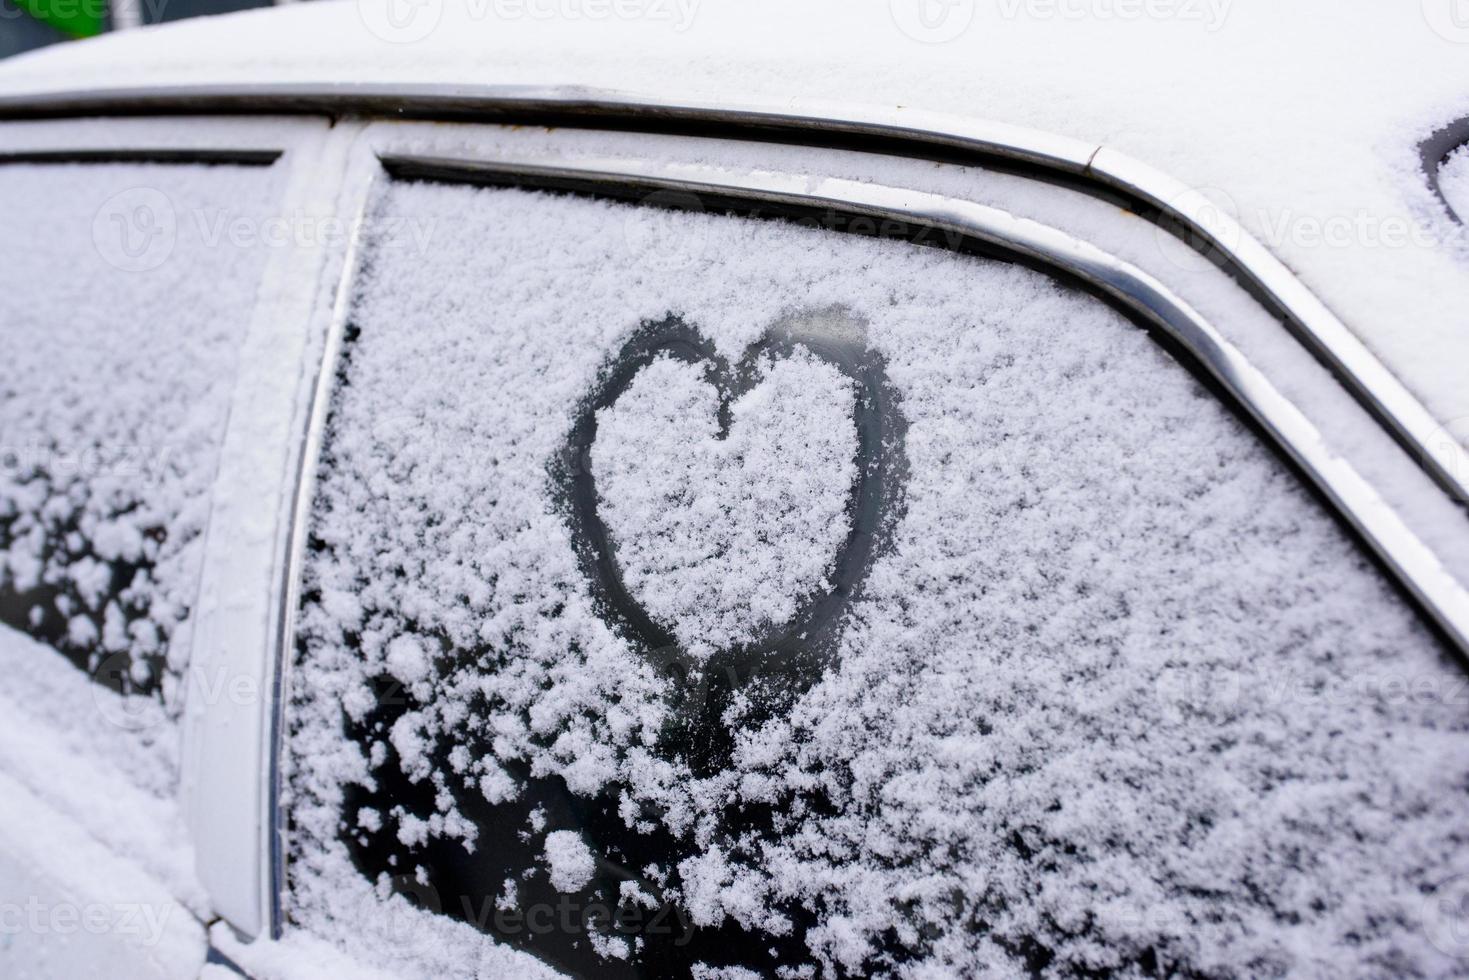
(1306, 121)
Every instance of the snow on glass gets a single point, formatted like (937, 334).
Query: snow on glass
(123, 315)
(722, 538)
(1453, 179)
(1119, 696)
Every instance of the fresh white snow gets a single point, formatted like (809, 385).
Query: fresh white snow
(1120, 693)
(570, 861)
(1453, 179)
(1220, 94)
(106, 760)
(125, 306)
(721, 538)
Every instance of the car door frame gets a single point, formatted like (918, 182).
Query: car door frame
(249, 586)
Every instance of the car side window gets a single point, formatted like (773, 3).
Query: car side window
(127, 293)
(687, 592)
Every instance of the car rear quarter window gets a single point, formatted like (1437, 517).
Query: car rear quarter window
(128, 288)
(686, 592)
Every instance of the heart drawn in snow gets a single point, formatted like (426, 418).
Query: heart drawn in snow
(726, 513)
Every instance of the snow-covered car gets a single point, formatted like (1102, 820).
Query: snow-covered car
(694, 488)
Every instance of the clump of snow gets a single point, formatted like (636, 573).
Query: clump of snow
(570, 860)
(609, 947)
(703, 971)
(720, 536)
(407, 660)
(1120, 698)
(124, 310)
(497, 786)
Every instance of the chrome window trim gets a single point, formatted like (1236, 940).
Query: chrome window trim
(1090, 167)
(243, 140)
(308, 461)
(160, 155)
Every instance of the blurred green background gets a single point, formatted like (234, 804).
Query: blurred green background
(26, 24)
